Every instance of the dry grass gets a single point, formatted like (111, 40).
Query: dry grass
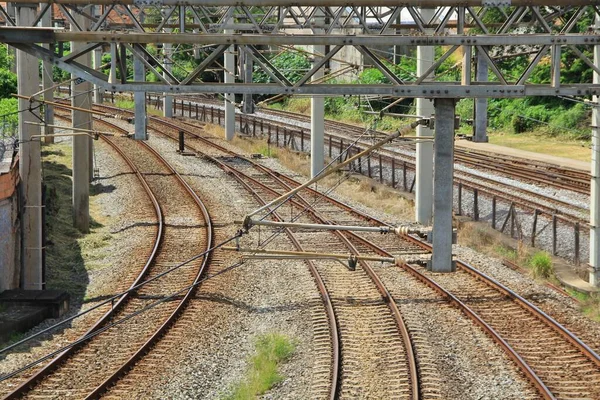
(355, 187)
(558, 147)
(486, 240)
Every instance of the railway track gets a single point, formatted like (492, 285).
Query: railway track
(559, 365)
(537, 172)
(185, 230)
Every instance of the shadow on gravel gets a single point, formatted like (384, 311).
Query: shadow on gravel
(98, 188)
(65, 268)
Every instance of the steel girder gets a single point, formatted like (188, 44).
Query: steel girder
(537, 30)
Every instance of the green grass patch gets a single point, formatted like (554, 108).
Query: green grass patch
(267, 151)
(507, 252)
(125, 104)
(582, 297)
(271, 350)
(540, 264)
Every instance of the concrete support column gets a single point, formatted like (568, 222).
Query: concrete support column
(47, 83)
(167, 99)
(481, 104)
(317, 122)
(594, 273)
(98, 91)
(28, 82)
(139, 75)
(424, 152)
(82, 145)
(247, 65)
(112, 76)
(229, 97)
(441, 259)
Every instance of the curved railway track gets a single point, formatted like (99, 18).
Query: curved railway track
(555, 361)
(362, 332)
(108, 355)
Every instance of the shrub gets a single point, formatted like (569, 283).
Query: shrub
(541, 265)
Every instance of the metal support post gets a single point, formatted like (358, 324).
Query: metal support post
(424, 152)
(28, 82)
(594, 273)
(317, 117)
(139, 75)
(181, 142)
(481, 104)
(82, 154)
(441, 260)
(47, 83)
(98, 91)
(229, 78)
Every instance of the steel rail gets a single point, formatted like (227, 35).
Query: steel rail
(183, 303)
(535, 311)
(48, 368)
(328, 305)
(541, 387)
(325, 297)
(411, 359)
(389, 154)
(466, 157)
(549, 321)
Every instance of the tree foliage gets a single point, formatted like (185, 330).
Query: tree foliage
(292, 64)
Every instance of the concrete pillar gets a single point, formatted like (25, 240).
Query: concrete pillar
(441, 259)
(82, 145)
(248, 66)
(424, 152)
(317, 123)
(481, 104)
(229, 97)
(112, 76)
(139, 75)
(167, 99)
(98, 91)
(47, 83)
(28, 81)
(594, 272)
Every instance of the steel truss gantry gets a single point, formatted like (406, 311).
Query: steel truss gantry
(544, 30)
(467, 33)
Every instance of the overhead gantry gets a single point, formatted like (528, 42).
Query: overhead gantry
(440, 29)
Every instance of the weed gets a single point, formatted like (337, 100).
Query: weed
(125, 104)
(541, 265)
(507, 252)
(271, 350)
(582, 297)
(591, 306)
